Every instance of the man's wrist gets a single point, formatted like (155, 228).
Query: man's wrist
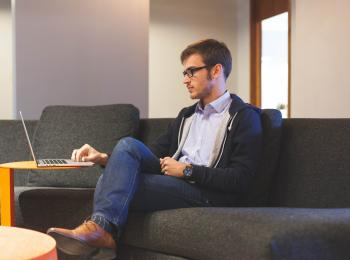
(187, 171)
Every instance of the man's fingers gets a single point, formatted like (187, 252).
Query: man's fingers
(79, 154)
(85, 146)
(90, 158)
(163, 165)
(74, 153)
(162, 162)
(162, 169)
(86, 154)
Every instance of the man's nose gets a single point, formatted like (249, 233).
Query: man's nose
(186, 80)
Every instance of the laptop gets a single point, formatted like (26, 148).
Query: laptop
(51, 162)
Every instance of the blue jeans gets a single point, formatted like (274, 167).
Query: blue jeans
(133, 180)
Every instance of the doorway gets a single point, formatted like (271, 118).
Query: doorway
(270, 55)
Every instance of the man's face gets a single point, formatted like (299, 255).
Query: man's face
(198, 85)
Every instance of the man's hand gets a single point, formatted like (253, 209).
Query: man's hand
(171, 167)
(88, 154)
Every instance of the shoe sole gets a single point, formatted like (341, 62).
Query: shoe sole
(73, 246)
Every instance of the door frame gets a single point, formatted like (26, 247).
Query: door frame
(260, 10)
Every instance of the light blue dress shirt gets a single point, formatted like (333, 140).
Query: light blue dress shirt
(205, 126)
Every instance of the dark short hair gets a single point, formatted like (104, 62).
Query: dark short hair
(212, 51)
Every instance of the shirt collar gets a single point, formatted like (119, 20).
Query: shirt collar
(218, 104)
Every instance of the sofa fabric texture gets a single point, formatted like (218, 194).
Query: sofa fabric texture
(64, 128)
(236, 233)
(297, 207)
(314, 165)
(18, 149)
(258, 192)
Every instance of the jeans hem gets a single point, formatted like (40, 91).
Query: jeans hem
(105, 223)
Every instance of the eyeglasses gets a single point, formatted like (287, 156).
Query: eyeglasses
(191, 70)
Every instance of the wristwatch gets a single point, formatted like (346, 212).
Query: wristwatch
(188, 171)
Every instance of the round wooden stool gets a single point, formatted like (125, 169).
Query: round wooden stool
(20, 243)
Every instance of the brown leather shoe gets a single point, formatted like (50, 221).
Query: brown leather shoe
(87, 239)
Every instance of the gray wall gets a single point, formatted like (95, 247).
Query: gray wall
(81, 52)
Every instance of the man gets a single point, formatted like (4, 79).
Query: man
(208, 157)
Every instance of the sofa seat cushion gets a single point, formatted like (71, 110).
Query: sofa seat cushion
(64, 128)
(203, 233)
(242, 233)
(40, 208)
(126, 252)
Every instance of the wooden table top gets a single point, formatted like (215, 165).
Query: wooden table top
(31, 165)
(20, 243)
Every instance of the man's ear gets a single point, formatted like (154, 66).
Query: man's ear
(216, 71)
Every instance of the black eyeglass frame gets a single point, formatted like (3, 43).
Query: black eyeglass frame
(191, 70)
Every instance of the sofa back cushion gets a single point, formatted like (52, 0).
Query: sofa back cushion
(259, 191)
(64, 128)
(14, 145)
(152, 128)
(314, 168)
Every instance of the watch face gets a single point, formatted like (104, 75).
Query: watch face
(188, 171)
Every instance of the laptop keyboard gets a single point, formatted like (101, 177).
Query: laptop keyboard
(54, 161)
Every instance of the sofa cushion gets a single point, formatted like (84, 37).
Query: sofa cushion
(314, 165)
(259, 191)
(126, 252)
(64, 128)
(42, 208)
(14, 145)
(320, 244)
(152, 128)
(242, 233)
(203, 233)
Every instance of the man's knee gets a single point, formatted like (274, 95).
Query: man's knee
(129, 144)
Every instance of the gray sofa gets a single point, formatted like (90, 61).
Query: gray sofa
(298, 206)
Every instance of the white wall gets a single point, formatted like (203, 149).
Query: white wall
(320, 40)
(176, 24)
(81, 53)
(6, 59)
(320, 58)
(242, 52)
